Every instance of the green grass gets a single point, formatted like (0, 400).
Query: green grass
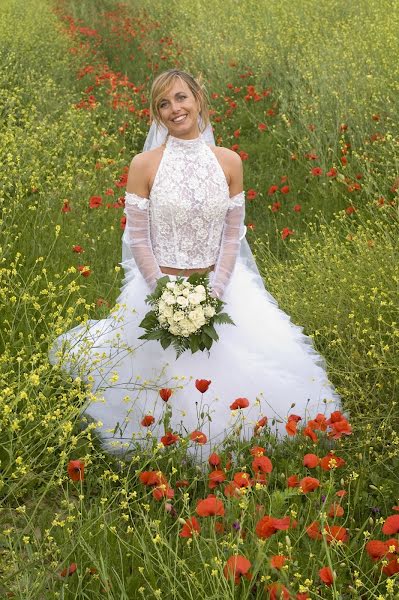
(337, 276)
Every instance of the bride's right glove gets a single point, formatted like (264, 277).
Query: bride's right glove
(230, 245)
(139, 239)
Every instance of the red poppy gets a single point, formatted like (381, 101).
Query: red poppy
(243, 155)
(251, 194)
(335, 510)
(309, 484)
(331, 461)
(202, 385)
(326, 575)
(257, 451)
(123, 222)
(239, 403)
(219, 527)
(210, 507)
(165, 394)
(297, 208)
(336, 533)
(313, 531)
(272, 189)
(152, 478)
(84, 270)
(66, 207)
(162, 491)
(78, 249)
(214, 460)
(237, 566)
(236, 133)
(263, 464)
(376, 549)
(292, 481)
(278, 591)
(215, 478)
(182, 483)
(292, 424)
(344, 160)
(69, 570)
(191, 526)
(278, 561)
(95, 201)
(341, 493)
(262, 126)
(76, 470)
(350, 210)
(311, 461)
(242, 479)
(285, 189)
(392, 567)
(332, 172)
(198, 437)
(268, 525)
(232, 490)
(391, 525)
(340, 428)
(276, 206)
(316, 171)
(260, 424)
(147, 421)
(169, 438)
(308, 432)
(286, 232)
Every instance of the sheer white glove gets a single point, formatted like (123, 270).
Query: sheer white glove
(138, 237)
(230, 245)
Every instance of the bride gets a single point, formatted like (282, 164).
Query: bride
(185, 210)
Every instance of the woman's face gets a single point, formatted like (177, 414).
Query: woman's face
(179, 110)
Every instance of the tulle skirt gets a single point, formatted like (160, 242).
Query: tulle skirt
(264, 358)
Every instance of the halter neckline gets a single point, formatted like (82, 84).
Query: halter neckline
(182, 143)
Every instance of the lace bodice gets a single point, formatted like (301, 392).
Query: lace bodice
(188, 203)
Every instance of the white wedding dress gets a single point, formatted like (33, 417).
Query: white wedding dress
(264, 357)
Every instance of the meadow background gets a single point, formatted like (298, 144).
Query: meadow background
(307, 94)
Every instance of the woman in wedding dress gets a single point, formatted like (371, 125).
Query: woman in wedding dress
(185, 210)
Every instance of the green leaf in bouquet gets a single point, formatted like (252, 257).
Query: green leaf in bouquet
(223, 318)
(155, 334)
(206, 340)
(165, 342)
(194, 342)
(211, 332)
(150, 320)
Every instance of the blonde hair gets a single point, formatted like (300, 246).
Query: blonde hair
(164, 81)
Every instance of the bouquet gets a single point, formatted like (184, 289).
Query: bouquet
(184, 314)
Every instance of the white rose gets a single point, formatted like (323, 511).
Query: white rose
(182, 301)
(209, 311)
(170, 285)
(199, 289)
(162, 320)
(194, 299)
(168, 298)
(174, 330)
(161, 305)
(186, 292)
(168, 312)
(178, 316)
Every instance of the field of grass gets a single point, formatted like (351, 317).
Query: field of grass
(307, 94)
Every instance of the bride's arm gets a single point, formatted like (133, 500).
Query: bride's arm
(137, 220)
(230, 242)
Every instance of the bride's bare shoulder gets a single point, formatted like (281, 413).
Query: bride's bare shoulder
(147, 158)
(142, 171)
(226, 154)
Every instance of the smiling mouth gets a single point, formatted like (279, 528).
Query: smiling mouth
(179, 119)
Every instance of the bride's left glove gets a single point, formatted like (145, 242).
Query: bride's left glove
(230, 245)
(139, 239)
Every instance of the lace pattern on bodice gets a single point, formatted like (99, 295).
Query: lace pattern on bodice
(188, 203)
